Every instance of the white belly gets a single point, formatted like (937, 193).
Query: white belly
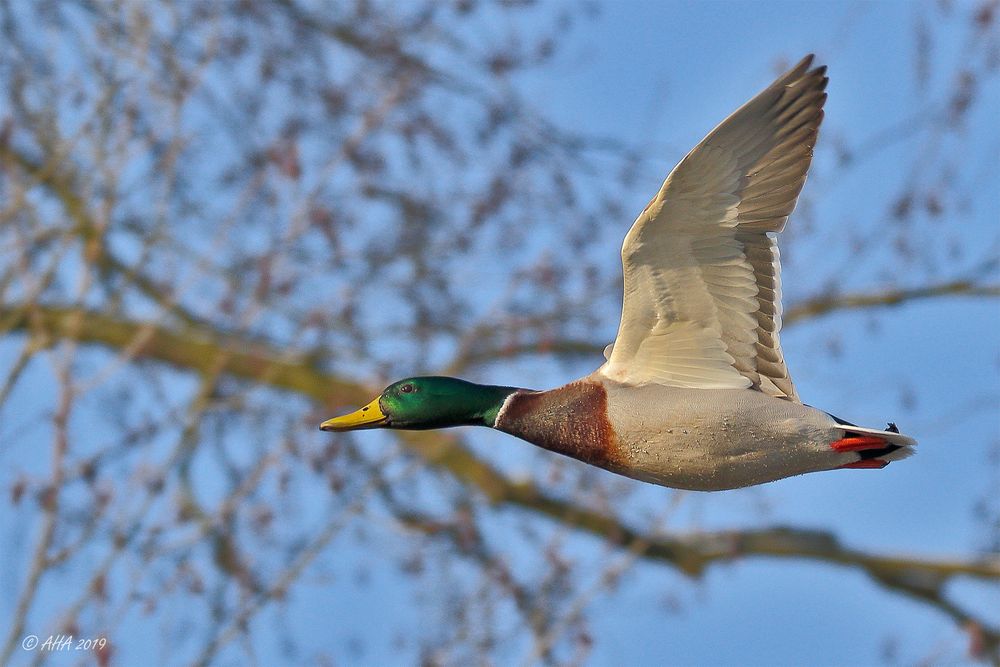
(710, 440)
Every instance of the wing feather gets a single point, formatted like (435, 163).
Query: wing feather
(702, 304)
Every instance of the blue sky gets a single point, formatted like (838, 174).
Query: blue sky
(657, 76)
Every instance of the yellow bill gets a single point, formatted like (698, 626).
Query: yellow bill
(370, 416)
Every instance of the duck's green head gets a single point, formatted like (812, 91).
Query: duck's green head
(427, 402)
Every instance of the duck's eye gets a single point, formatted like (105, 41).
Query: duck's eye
(406, 389)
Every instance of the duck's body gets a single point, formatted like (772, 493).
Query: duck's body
(695, 393)
(685, 438)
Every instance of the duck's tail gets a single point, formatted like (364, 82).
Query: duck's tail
(875, 449)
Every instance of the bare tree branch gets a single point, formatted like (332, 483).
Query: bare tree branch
(488, 343)
(54, 177)
(920, 578)
(825, 305)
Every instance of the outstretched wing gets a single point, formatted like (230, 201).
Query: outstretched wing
(702, 303)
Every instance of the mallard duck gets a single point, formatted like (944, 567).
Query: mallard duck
(694, 392)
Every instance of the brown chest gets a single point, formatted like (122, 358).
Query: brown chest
(570, 420)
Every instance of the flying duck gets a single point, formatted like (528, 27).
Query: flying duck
(694, 392)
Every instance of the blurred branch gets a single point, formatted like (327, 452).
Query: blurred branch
(277, 588)
(463, 532)
(919, 579)
(375, 51)
(54, 177)
(205, 352)
(488, 344)
(823, 305)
